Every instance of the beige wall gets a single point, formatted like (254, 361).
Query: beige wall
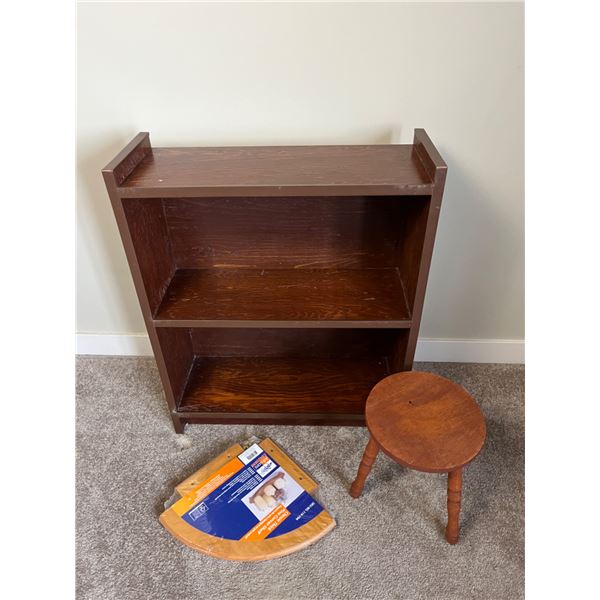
(210, 74)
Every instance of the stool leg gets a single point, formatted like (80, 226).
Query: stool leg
(364, 469)
(454, 494)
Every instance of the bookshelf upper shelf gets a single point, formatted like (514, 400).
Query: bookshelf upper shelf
(144, 171)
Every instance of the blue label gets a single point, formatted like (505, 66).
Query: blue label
(260, 500)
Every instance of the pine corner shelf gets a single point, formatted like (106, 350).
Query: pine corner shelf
(278, 284)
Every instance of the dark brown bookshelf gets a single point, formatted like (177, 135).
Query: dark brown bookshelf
(278, 284)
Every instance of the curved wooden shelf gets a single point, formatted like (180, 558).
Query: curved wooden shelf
(248, 551)
(238, 550)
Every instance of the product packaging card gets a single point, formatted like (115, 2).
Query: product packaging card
(249, 498)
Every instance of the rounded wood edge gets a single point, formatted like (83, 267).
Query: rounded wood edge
(419, 468)
(415, 468)
(236, 550)
(411, 375)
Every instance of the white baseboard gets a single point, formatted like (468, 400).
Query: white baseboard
(113, 344)
(428, 350)
(470, 351)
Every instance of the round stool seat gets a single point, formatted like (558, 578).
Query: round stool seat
(425, 422)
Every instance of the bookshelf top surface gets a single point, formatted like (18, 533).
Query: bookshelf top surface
(277, 170)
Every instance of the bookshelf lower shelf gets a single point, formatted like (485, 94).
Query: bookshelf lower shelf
(267, 389)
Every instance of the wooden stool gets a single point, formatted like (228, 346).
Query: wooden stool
(424, 422)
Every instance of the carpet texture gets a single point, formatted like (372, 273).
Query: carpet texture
(388, 544)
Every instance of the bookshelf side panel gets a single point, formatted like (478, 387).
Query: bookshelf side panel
(178, 356)
(150, 239)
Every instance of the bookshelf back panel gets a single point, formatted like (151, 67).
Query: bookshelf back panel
(294, 343)
(317, 232)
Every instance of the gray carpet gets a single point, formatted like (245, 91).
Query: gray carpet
(388, 544)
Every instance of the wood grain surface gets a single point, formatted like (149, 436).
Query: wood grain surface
(425, 422)
(306, 295)
(270, 447)
(178, 358)
(366, 464)
(272, 418)
(454, 499)
(278, 170)
(204, 472)
(150, 238)
(288, 385)
(292, 467)
(122, 165)
(293, 342)
(419, 250)
(307, 232)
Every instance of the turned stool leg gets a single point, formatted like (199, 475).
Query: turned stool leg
(454, 494)
(364, 469)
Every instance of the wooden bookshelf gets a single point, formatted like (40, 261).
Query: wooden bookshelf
(278, 284)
